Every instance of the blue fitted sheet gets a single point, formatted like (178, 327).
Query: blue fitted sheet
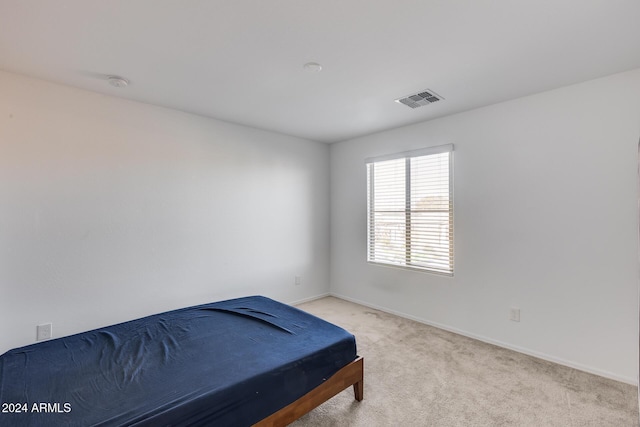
(228, 363)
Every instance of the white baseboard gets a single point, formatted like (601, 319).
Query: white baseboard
(302, 301)
(539, 355)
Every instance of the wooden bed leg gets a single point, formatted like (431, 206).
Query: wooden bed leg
(358, 390)
(358, 387)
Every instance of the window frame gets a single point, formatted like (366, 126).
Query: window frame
(407, 156)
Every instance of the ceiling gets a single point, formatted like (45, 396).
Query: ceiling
(242, 60)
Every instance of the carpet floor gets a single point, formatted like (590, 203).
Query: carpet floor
(419, 375)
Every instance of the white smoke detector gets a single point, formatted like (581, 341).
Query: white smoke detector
(312, 67)
(117, 81)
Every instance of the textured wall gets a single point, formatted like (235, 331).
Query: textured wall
(112, 209)
(546, 217)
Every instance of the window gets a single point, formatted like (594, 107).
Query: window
(410, 209)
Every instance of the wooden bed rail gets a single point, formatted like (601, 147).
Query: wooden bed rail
(352, 374)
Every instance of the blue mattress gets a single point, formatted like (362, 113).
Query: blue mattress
(228, 363)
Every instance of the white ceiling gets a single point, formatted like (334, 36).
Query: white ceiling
(242, 60)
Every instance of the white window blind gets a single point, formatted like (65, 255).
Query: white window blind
(410, 209)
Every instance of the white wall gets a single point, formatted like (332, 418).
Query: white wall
(546, 220)
(111, 210)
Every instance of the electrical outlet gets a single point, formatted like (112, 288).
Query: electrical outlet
(298, 280)
(514, 314)
(44, 331)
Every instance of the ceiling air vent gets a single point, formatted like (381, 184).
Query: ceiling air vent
(425, 97)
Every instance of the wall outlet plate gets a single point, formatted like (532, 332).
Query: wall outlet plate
(44, 332)
(514, 314)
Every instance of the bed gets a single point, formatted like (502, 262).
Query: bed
(241, 362)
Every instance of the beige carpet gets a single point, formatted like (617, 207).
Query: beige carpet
(418, 375)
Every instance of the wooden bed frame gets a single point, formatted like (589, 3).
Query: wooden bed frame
(352, 374)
